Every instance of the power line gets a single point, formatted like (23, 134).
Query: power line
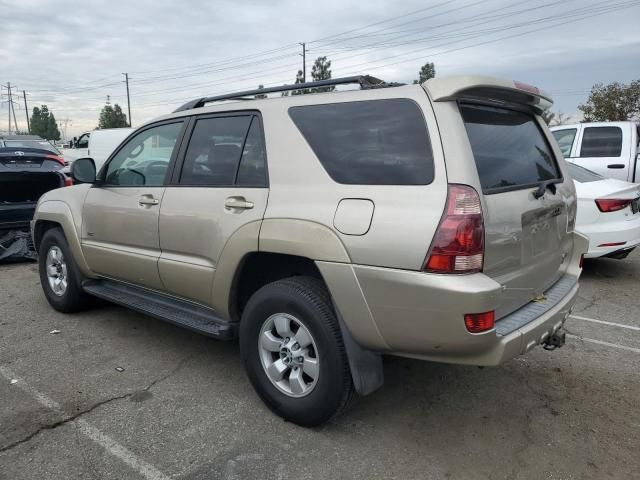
(582, 14)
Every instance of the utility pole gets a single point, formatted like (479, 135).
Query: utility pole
(126, 80)
(12, 108)
(9, 105)
(26, 110)
(304, 62)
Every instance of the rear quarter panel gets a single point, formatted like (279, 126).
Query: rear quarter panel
(404, 219)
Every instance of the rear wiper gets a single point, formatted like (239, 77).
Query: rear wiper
(550, 184)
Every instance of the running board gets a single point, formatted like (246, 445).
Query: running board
(179, 312)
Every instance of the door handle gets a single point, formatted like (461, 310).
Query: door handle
(148, 200)
(237, 203)
(616, 165)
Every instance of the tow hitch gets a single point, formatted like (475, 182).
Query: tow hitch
(555, 340)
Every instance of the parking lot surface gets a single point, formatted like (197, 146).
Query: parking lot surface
(117, 395)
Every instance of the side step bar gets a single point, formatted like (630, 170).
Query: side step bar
(179, 312)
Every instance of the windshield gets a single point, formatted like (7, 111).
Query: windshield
(41, 144)
(582, 175)
(565, 140)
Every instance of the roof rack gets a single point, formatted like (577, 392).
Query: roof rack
(365, 81)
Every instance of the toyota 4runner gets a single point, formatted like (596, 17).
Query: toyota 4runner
(432, 221)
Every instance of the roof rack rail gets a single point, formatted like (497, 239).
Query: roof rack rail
(365, 81)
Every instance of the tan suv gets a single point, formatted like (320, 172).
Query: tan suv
(431, 221)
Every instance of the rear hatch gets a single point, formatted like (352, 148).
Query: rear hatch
(529, 208)
(25, 175)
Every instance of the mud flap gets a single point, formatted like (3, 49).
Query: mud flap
(16, 245)
(366, 366)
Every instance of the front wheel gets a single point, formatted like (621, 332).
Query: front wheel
(59, 275)
(293, 352)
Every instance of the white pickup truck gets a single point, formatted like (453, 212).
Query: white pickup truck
(97, 144)
(609, 148)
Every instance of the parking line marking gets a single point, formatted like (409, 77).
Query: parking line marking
(612, 324)
(145, 469)
(606, 344)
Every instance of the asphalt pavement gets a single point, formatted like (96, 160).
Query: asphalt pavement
(117, 395)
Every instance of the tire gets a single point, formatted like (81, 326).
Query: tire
(71, 298)
(305, 301)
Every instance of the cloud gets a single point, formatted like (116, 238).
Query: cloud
(71, 55)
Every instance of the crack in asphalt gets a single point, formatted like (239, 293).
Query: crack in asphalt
(71, 418)
(62, 421)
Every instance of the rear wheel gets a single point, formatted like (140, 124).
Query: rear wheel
(59, 276)
(293, 351)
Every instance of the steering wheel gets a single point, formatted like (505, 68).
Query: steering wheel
(156, 163)
(136, 155)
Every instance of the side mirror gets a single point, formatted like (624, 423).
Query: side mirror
(83, 170)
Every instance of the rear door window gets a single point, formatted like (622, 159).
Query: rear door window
(509, 148)
(601, 142)
(214, 151)
(376, 142)
(565, 140)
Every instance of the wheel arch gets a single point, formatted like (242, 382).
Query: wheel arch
(52, 214)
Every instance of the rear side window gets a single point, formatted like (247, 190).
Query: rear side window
(509, 148)
(565, 140)
(253, 169)
(376, 142)
(582, 175)
(601, 142)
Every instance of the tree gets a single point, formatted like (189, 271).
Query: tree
(613, 102)
(36, 122)
(43, 123)
(299, 79)
(321, 70)
(548, 116)
(112, 117)
(53, 133)
(552, 119)
(427, 71)
(260, 95)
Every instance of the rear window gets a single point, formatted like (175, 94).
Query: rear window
(601, 142)
(582, 175)
(40, 144)
(509, 148)
(376, 142)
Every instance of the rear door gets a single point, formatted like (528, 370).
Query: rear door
(219, 187)
(604, 150)
(527, 239)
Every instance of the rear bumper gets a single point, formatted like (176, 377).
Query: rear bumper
(424, 323)
(420, 315)
(16, 215)
(625, 232)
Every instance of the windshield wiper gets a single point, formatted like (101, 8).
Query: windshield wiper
(547, 184)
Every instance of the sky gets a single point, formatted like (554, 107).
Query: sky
(71, 55)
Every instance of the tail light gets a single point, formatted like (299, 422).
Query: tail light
(56, 158)
(68, 182)
(458, 245)
(581, 263)
(612, 205)
(480, 322)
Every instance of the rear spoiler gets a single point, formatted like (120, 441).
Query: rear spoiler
(487, 88)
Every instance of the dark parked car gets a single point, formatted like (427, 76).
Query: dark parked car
(29, 167)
